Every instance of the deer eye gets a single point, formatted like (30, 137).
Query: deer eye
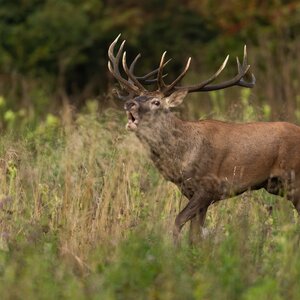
(157, 103)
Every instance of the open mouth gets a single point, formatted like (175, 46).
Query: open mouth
(132, 121)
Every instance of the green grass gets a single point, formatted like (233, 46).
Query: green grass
(85, 215)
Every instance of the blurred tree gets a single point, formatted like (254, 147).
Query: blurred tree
(58, 48)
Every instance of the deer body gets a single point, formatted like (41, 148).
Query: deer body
(242, 156)
(209, 160)
(216, 159)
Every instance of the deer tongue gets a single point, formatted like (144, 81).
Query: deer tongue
(132, 121)
(131, 125)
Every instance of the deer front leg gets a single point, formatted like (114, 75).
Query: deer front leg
(196, 204)
(196, 226)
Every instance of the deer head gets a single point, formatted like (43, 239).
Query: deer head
(141, 102)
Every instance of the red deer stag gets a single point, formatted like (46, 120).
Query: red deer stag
(208, 160)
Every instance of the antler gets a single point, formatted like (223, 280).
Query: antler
(162, 87)
(134, 84)
(204, 86)
(145, 79)
(113, 66)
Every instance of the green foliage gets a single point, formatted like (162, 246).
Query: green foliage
(249, 113)
(85, 215)
(54, 50)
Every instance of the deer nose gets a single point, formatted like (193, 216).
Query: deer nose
(130, 105)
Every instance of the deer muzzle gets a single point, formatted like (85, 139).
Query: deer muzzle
(131, 108)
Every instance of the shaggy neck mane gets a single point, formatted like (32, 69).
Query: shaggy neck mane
(161, 133)
(158, 131)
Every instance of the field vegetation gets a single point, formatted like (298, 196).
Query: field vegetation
(83, 212)
(85, 215)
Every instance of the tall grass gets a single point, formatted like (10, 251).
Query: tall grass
(85, 215)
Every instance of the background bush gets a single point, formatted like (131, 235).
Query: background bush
(53, 52)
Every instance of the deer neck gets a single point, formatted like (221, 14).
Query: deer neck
(164, 135)
(159, 131)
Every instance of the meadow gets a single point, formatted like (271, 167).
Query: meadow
(83, 212)
(85, 215)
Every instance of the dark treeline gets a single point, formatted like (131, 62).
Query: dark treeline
(53, 51)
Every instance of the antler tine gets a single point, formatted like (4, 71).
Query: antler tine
(129, 74)
(171, 86)
(112, 47)
(242, 82)
(113, 65)
(151, 81)
(115, 60)
(240, 67)
(245, 63)
(131, 68)
(139, 80)
(144, 78)
(160, 81)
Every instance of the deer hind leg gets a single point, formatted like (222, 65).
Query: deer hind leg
(295, 198)
(196, 226)
(293, 192)
(288, 186)
(296, 203)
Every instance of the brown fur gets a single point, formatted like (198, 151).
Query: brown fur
(213, 160)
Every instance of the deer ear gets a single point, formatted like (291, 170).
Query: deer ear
(176, 98)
